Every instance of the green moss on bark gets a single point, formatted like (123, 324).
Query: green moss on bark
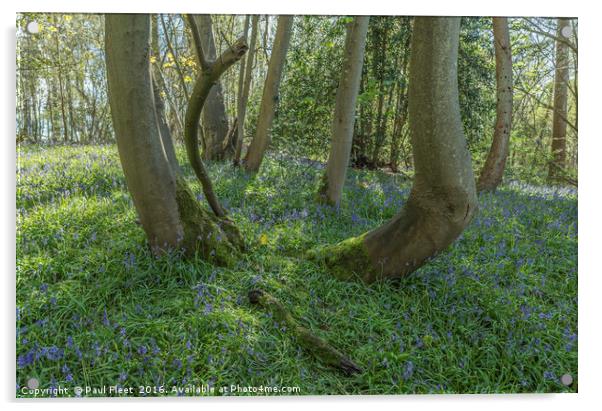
(216, 239)
(346, 260)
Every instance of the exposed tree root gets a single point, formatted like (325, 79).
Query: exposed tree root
(317, 346)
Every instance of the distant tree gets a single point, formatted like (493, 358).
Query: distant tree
(379, 62)
(559, 119)
(214, 120)
(443, 197)
(269, 99)
(344, 112)
(168, 210)
(401, 108)
(493, 170)
(244, 87)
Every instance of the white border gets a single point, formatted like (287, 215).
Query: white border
(590, 152)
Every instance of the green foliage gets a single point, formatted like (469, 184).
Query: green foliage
(476, 83)
(496, 312)
(309, 86)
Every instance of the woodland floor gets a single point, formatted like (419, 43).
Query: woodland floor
(497, 312)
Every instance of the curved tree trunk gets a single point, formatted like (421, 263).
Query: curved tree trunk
(215, 120)
(168, 210)
(443, 197)
(344, 112)
(211, 71)
(269, 99)
(559, 121)
(493, 169)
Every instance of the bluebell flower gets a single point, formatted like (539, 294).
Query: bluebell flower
(549, 375)
(26, 359)
(208, 308)
(53, 353)
(408, 370)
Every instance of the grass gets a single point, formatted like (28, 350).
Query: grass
(496, 313)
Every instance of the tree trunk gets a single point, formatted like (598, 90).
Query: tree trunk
(344, 112)
(164, 130)
(215, 121)
(210, 73)
(559, 120)
(246, 77)
(270, 95)
(168, 211)
(443, 197)
(493, 170)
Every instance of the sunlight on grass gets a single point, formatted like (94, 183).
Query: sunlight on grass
(496, 312)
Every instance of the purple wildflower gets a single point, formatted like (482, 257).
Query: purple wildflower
(408, 370)
(26, 359)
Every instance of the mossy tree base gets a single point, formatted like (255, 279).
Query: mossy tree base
(217, 239)
(347, 260)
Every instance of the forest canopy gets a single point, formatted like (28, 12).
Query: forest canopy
(62, 98)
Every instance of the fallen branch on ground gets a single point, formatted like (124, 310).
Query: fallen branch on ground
(317, 346)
